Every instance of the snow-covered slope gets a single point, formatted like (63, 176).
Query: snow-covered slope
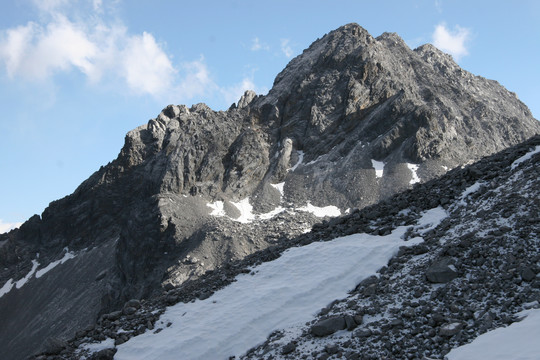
(429, 271)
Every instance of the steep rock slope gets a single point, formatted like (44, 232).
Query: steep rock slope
(347, 123)
(472, 266)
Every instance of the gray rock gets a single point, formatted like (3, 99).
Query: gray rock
(441, 271)
(362, 332)
(289, 348)
(450, 330)
(350, 322)
(129, 310)
(105, 354)
(331, 349)
(115, 315)
(54, 346)
(134, 303)
(527, 274)
(328, 326)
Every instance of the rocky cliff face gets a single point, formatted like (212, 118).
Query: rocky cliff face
(351, 121)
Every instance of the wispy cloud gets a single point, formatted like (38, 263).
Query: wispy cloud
(5, 226)
(438, 6)
(257, 45)
(452, 41)
(233, 93)
(286, 48)
(101, 49)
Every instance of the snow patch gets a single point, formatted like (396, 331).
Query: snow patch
(471, 189)
(95, 347)
(414, 168)
(279, 187)
(379, 167)
(330, 210)
(517, 341)
(282, 293)
(217, 208)
(23, 281)
(68, 255)
(300, 160)
(526, 157)
(245, 208)
(431, 219)
(7, 287)
(271, 214)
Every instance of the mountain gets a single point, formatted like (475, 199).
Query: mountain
(347, 124)
(448, 268)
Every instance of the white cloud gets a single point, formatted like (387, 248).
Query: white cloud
(5, 227)
(36, 52)
(50, 5)
(233, 93)
(102, 51)
(196, 81)
(453, 42)
(146, 67)
(286, 48)
(258, 45)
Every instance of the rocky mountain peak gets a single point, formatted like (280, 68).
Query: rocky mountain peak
(348, 123)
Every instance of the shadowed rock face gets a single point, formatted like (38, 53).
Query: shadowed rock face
(347, 100)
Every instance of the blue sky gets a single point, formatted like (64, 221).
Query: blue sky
(76, 75)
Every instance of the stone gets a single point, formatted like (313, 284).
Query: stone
(331, 349)
(350, 323)
(105, 354)
(441, 271)
(288, 348)
(129, 310)
(527, 274)
(134, 303)
(362, 332)
(115, 315)
(54, 346)
(328, 326)
(450, 330)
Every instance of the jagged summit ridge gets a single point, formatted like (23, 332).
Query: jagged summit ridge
(351, 121)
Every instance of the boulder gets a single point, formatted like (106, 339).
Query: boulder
(328, 326)
(450, 330)
(441, 271)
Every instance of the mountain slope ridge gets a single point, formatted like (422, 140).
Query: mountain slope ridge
(346, 101)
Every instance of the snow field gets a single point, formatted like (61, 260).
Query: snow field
(518, 341)
(282, 293)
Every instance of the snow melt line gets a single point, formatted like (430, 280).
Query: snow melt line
(279, 294)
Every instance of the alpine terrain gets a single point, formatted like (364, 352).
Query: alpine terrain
(378, 202)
